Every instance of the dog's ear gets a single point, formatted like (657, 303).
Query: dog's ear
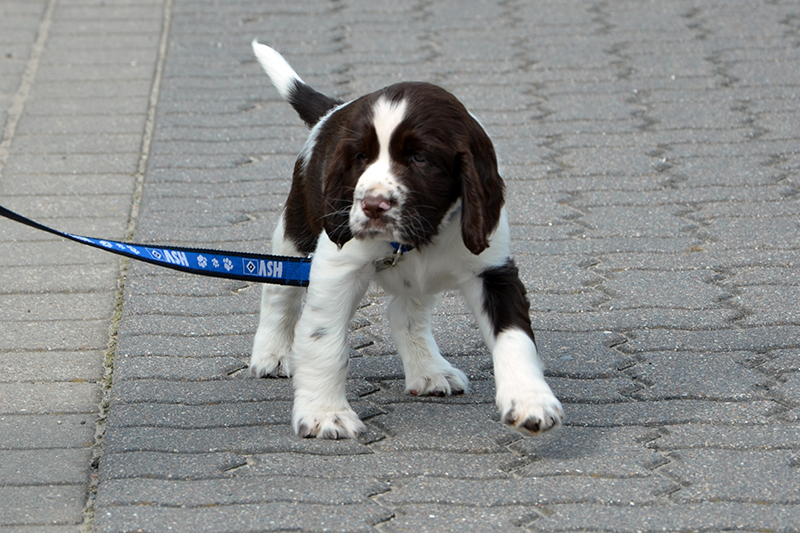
(337, 198)
(481, 189)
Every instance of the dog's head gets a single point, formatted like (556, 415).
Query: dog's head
(402, 158)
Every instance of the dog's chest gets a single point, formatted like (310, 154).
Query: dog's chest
(419, 272)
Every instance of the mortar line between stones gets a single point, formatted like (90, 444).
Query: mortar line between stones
(147, 141)
(24, 90)
(149, 127)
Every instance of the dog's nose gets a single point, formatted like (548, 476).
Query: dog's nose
(375, 206)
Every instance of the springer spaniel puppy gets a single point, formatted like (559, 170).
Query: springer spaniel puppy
(399, 187)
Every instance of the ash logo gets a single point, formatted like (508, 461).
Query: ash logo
(265, 269)
(174, 257)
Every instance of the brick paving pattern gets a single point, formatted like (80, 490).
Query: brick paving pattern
(650, 154)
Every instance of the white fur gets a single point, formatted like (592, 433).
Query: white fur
(280, 310)
(277, 68)
(378, 179)
(522, 392)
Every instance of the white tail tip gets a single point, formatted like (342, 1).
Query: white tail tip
(279, 71)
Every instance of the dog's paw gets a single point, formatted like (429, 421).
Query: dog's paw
(452, 381)
(328, 425)
(531, 413)
(264, 365)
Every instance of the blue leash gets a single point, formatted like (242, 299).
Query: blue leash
(276, 269)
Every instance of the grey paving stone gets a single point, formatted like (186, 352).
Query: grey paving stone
(670, 412)
(56, 205)
(221, 492)
(80, 144)
(769, 305)
(33, 184)
(676, 375)
(49, 398)
(457, 518)
(529, 491)
(28, 432)
(190, 326)
(782, 361)
(750, 339)
(764, 437)
(39, 505)
(789, 387)
(618, 452)
(71, 162)
(74, 306)
(609, 316)
(174, 368)
(245, 439)
(266, 516)
(184, 346)
(77, 366)
(68, 124)
(156, 465)
(81, 276)
(774, 480)
(39, 467)
(404, 464)
(201, 416)
(202, 392)
(626, 518)
(62, 335)
(450, 428)
(96, 227)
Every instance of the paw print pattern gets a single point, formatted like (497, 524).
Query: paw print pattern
(202, 261)
(228, 264)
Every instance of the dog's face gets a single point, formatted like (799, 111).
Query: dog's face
(401, 159)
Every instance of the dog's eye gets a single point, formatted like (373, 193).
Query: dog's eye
(418, 158)
(361, 156)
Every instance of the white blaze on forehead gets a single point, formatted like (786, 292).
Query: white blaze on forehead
(378, 177)
(386, 117)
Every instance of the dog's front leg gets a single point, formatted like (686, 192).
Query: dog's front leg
(319, 357)
(497, 298)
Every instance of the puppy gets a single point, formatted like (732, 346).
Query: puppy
(399, 187)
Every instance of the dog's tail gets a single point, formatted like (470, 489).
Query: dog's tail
(309, 104)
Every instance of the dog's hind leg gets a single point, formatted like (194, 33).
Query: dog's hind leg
(280, 310)
(427, 372)
(497, 298)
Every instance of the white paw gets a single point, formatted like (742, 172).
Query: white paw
(264, 364)
(530, 413)
(451, 381)
(327, 424)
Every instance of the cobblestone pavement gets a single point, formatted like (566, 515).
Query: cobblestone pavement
(651, 157)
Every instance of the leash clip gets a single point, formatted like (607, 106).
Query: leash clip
(390, 261)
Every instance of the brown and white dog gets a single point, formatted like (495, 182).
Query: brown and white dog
(399, 187)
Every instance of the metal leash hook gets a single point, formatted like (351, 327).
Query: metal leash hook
(390, 260)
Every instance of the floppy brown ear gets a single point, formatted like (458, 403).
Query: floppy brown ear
(481, 191)
(337, 198)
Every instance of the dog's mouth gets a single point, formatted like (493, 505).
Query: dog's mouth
(384, 227)
(375, 216)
